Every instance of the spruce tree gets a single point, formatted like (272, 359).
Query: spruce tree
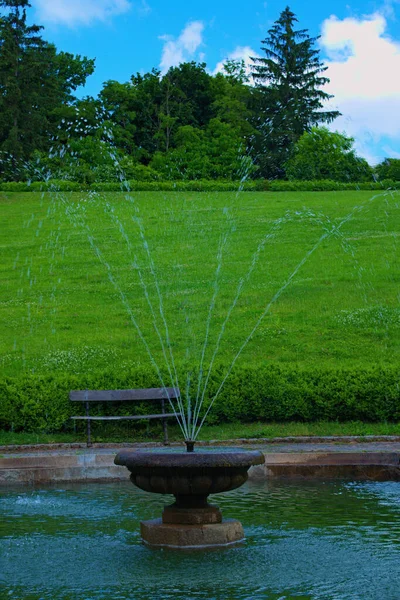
(288, 95)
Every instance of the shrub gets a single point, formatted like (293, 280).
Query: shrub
(199, 185)
(15, 186)
(272, 393)
(56, 185)
(51, 185)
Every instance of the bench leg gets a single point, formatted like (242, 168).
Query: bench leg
(89, 441)
(166, 442)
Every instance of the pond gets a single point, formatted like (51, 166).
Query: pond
(304, 539)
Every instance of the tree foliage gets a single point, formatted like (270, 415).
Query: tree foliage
(213, 153)
(389, 169)
(324, 154)
(186, 124)
(35, 80)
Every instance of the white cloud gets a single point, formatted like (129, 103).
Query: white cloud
(363, 62)
(176, 51)
(239, 53)
(80, 12)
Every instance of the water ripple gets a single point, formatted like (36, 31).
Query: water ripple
(305, 540)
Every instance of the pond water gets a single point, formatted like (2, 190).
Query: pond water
(305, 539)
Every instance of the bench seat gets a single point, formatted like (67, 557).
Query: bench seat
(123, 417)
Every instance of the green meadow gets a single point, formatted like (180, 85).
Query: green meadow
(104, 280)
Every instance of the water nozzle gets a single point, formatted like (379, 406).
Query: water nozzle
(189, 445)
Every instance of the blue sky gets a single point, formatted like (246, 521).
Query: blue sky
(360, 44)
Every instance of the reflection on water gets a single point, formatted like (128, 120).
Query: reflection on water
(307, 540)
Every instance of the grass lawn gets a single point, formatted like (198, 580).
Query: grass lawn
(78, 270)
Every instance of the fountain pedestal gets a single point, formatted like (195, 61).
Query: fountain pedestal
(190, 476)
(158, 534)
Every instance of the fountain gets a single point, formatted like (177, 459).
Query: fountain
(190, 476)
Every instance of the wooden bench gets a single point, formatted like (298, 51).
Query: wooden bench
(149, 394)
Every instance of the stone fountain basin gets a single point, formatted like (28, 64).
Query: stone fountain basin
(200, 473)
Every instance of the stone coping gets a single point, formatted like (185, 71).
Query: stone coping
(377, 460)
(204, 458)
(335, 439)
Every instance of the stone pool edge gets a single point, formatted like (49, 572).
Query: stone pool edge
(326, 458)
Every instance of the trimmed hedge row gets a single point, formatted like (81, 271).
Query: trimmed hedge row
(256, 185)
(41, 186)
(272, 393)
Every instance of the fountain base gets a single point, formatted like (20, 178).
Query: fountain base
(157, 534)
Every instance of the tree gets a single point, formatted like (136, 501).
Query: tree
(233, 98)
(389, 169)
(118, 100)
(324, 154)
(147, 112)
(289, 98)
(185, 99)
(187, 160)
(133, 110)
(215, 152)
(34, 80)
(235, 70)
(195, 99)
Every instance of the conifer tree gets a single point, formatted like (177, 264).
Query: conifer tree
(17, 41)
(288, 92)
(34, 80)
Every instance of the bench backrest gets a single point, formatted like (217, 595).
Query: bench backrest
(122, 395)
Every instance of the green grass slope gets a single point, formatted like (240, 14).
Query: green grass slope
(94, 281)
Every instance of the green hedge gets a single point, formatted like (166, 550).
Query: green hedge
(274, 393)
(41, 186)
(133, 185)
(327, 185)
(284, 394)
(256, 185)
(200, 185)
